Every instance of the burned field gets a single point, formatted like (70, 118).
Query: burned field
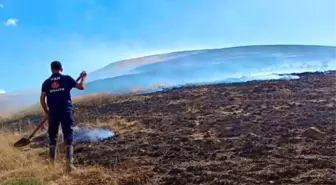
(244, 133)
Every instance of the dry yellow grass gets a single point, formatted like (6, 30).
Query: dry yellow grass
(16, 163)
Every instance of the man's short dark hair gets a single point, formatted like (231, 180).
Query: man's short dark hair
(56, 65)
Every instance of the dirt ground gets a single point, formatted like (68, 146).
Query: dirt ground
(239, 134)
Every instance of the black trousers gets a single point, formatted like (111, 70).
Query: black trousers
(66, 120)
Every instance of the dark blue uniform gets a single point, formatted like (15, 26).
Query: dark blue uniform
(57, 88)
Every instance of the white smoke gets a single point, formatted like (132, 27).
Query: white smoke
(91, 134)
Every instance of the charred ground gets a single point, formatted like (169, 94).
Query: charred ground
(242, 133)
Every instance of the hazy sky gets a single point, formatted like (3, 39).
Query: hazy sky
(89, 34)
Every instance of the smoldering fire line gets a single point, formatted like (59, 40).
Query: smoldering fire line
(80, 135)
(91, 134)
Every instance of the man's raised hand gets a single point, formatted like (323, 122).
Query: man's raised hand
(83, 74)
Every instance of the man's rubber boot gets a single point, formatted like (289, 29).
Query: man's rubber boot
(69, 159)
(52, 154)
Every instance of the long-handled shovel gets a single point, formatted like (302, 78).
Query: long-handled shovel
(26, 141)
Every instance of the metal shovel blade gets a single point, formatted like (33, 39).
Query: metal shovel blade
(22, 142)
(26, 141)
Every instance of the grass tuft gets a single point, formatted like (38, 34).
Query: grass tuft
(24, 181)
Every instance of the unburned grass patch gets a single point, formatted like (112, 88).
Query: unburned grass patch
(21, 162)
(24, 181)
(98, 175)
(26, 166)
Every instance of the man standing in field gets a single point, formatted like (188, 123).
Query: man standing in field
(57, 105)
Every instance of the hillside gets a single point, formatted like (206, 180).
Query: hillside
(241, 133)
(123, 67)
(236, 64)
